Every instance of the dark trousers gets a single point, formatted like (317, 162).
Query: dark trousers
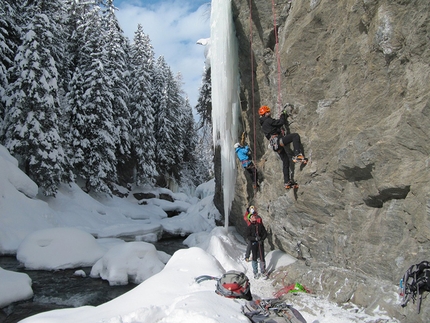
(290, 138)
(257, 250)
(285, 164)
(248, 250)
(295, 139)
(252, 171)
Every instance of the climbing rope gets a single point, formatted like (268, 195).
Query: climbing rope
(254, 151)
(279, 99)
(278, 59)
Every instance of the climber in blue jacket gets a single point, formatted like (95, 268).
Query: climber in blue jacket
(244, 155)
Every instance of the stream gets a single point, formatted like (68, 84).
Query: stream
(61, 289)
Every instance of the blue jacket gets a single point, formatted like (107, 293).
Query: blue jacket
(243, 155)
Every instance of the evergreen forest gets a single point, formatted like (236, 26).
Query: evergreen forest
(80, 102)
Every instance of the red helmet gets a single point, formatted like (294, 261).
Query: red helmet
(263, 110)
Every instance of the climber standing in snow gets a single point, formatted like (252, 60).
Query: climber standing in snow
(247, 217)
(256, 234)
(272, 130)
(243, 152)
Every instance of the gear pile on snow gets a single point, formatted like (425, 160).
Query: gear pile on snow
(233, 284)
(414, 283)
(272, 311)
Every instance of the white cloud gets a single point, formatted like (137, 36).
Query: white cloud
(174, 28)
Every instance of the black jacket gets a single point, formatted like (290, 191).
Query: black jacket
(254, 230)
(272, 126)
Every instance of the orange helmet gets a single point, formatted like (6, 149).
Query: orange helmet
(263, 110)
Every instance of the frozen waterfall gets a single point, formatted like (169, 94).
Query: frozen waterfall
(225, 94)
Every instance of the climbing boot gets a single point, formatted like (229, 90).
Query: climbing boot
(299, 158)
(290, 184)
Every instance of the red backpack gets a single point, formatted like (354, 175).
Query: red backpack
(233, 284)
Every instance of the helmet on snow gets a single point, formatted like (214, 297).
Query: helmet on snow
(236, 145)
(263, 110)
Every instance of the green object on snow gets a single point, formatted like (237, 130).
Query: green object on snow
(298, 288)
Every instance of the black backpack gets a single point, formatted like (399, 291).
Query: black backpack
(415, 281)
(233, 284)
(271, 311)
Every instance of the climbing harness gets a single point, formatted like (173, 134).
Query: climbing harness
(274, 142)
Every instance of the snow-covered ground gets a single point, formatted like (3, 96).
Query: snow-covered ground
(75, 230)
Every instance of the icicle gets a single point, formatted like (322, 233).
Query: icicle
(225, 94)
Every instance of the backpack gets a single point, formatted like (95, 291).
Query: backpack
(415, 281)
(271, 311)
(233, 284)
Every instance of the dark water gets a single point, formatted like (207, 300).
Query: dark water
(62, 289)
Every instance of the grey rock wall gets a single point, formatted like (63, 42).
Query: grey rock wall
(357, 73)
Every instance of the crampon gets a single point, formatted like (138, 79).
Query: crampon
(291, 184)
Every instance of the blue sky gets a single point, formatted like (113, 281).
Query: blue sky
(174, 28)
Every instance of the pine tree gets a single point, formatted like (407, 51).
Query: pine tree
(176, 106)
(167, 134)
(9, 40)
(204, 149)
(116, 67)
(204, 102)
(76, 95)
(159, 104)
(141, 109)
(32, 131)
(75, 11)
(204, 153)
(92, 129)
(195, 169)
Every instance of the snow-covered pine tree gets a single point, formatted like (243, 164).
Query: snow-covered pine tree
(141, 109)
(117, 69)
(92, 127)
(9, 40)
(204, 154)
(169, 146)
(204, 102)
(32, 111)
(176, 106)
(57, 12)
(194, 170)
(73, 79)
(75, 10)
(204, 149)
(159, 103)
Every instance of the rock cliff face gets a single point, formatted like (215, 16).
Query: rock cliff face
(357, 73)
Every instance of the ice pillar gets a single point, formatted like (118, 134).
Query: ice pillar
(225, 94)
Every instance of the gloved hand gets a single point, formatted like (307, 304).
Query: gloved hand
(257, 238)
(285, 112)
